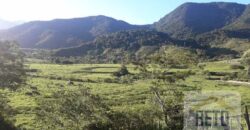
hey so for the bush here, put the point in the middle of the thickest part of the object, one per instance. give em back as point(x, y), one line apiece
point(12, 66)
point(122, 72)
point(219, 73)
point(75, 107)
point(201, 66)
point(109, 80)
point(183, 74)
point(179, 66)
point(126, 79)
point(237, 66)
point(67, 62)
point(5, 112)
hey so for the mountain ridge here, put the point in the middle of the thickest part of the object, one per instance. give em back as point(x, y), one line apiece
point(191, 19)
point(62, 33)
point(243, 22)
point(114, 46)
point(214, 24)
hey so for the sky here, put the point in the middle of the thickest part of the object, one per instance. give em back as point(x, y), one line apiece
point(132, 11)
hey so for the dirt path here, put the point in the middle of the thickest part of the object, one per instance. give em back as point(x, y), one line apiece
point(237, 82)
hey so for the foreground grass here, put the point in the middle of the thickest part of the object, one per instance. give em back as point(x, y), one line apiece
point(125, 97)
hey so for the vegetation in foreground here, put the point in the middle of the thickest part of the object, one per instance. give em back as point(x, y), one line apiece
point(102, 96)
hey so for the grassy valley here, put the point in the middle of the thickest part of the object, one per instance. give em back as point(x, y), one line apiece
point(126, 95)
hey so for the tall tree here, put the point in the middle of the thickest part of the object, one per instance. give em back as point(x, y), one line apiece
point(12, 70)
point(246, 60)
point(168, 95)
point(5, 111)
point(77, 110)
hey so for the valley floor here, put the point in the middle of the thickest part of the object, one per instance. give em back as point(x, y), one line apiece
point(123, 96)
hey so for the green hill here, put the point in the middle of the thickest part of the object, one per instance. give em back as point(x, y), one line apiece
point(243, 22)
point(237, 40)
point(62, 33)
point(134, 43)
point(191, 19)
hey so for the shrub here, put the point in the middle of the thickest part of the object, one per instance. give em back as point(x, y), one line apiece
point(179, 66)
point(6, 111)
point(201, 66)
point(75, 107)
point(126, 79)
point(237, 66)
point(183, 74)
point(226, 78)
point(122, 72)
point(12, 68)
point(109, 80)
point(67, 62)
point(218, 73)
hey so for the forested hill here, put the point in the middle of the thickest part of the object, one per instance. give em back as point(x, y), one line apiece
point(191, 19)
point(61, 33)
point(135, 43)
point(243, 22)
point(216, 24)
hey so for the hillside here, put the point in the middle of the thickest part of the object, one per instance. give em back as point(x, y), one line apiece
point(127, 40)
point(237, 40)
point(212, 24)
point(140, 44)
point(135, 43)
point(243, 22)
point(191, 19)
point(62, 33)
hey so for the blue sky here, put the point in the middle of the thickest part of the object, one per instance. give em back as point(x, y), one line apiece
point(132, 11)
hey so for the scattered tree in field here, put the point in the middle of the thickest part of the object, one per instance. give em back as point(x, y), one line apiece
point(172, 56)
point(168, 94)
point(122, 71)
point(73, 110)
point(12, 70)
point(246, 60)
point(5, 111)
point(79, 109)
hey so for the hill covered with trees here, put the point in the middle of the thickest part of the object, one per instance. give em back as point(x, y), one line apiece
point(62, 33)
point(243, 22)
point(125, 44)
point(191, 19)
point(196, 25)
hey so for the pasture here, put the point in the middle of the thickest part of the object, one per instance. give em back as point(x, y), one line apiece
point(124, 94)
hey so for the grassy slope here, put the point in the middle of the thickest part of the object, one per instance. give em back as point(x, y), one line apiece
point(123, 97)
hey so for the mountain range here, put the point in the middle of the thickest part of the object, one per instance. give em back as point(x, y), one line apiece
point(62, 33)
point(216, 24)
point(133, 43)
point(191, 19)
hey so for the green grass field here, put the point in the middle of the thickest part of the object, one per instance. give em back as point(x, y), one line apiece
point(46, 79)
